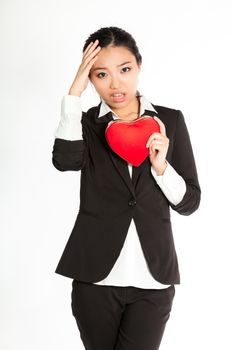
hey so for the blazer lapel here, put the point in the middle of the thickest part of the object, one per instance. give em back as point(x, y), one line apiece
point(136, 171)
point(120, 164)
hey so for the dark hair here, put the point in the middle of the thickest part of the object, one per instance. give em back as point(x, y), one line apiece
point(115, 36)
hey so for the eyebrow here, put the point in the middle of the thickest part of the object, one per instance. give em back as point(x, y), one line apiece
point(122, 64)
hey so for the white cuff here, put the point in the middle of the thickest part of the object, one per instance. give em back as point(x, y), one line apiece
point(70, 127)
point(171, 183)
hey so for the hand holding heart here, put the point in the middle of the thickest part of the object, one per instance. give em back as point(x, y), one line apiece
point(135, 140)
point(158, 144)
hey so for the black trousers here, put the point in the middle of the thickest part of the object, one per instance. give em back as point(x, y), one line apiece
point(120, 318)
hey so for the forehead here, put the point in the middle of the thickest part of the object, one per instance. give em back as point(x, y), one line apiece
point(112, 56)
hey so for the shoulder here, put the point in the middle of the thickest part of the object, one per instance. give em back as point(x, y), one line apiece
point(168, 115)
point(165, 110)
point(90, 114)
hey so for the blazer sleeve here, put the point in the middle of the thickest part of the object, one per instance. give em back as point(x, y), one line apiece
point(71, 155)
point(184, 163)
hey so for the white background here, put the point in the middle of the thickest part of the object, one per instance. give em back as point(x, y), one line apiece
point(186, 48)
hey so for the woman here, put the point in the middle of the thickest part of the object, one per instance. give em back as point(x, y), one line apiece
point(120, 254)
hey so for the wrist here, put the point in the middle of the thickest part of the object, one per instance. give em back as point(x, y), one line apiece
point(160, 170)
point(74, 92)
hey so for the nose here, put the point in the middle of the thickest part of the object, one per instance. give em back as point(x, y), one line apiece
point(114, 83)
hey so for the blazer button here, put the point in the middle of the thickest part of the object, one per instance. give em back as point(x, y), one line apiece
point(132, 202)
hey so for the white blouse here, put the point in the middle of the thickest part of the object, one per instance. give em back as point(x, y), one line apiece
point(130, 268)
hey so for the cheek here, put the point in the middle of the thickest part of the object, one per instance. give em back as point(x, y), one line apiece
point(100, 84)
point(93, 80)
point(99, 87)
point(131, 80)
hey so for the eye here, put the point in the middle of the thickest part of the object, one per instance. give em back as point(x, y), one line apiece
point(126, 68)
point(99, 74)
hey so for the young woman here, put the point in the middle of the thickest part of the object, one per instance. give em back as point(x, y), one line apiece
point(121, 254)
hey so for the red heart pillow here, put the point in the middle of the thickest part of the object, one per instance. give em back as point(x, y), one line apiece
point(128, 138)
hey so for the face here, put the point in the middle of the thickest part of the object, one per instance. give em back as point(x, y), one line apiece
point(115, 71)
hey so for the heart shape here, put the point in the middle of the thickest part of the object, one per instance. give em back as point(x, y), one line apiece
point(128, 138)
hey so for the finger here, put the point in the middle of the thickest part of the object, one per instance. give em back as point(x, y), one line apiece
point(92, 48)
point(155, 147)
point(88, 65)
point(162, 126)
point(156, 144)
point(89, 60)
point(91, 55)
point(155, 135)
point(91, 44)
point(87, 48)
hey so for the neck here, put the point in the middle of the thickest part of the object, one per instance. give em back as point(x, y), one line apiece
point(130, 112)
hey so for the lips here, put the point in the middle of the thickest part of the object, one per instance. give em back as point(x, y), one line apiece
point(118, 97)
point(117, 94)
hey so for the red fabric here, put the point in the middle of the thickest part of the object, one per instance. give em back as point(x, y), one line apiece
point(128, 138)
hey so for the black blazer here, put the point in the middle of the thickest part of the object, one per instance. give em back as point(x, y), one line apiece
point(109, 199)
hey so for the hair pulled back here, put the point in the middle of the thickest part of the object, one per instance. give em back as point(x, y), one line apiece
point(115, 36)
